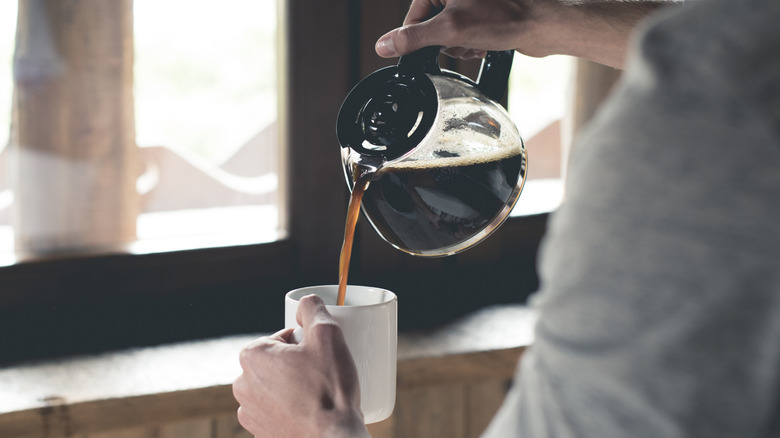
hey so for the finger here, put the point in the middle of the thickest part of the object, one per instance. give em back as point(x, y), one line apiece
point(246, 393)
point(385, 45)
point(421, 10)
point(407, 39)
point(284, 335)
point(464, 53)
point(469, 56)
point(318, 325)
point(247, 421)
point(251, 354)
point(480, 54)
point(260, 344)
point(311, 309)
point(240, 389)
point(455, 52)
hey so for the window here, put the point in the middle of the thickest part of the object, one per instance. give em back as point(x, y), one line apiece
point(538, 96)
point(63, 301)
point(188, 155)
point(135, 125)
point(7, 30)
point(206, 120)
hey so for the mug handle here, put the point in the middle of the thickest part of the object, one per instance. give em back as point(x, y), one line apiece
point(297, 335)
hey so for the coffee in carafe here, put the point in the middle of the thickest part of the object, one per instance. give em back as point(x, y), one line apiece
point(425, 209)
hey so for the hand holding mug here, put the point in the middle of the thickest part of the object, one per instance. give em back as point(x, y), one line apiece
point(306, 389)
point(369, 324)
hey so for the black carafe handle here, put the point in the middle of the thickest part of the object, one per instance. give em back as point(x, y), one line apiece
point(425, 60)
point(494, 74)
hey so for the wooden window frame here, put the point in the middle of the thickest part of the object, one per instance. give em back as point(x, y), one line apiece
point(68, 305)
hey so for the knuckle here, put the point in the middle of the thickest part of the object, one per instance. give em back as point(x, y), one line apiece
point(407, 39)
point(310, 305)
point(246, 357)
point(456, 22)
point(249, 355)
point(451, 23)
point(245, 419)
point(325, 331)
point(239, 388)
point(310, 300)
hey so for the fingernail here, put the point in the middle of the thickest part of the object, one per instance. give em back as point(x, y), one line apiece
point(385, 47)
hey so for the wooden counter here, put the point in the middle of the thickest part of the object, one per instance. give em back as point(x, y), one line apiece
point(185, 389)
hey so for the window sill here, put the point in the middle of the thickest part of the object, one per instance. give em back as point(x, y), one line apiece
point(174, 382)
point(52, 307)
point(173, 231)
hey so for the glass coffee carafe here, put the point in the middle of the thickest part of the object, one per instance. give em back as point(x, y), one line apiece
point(446, 164)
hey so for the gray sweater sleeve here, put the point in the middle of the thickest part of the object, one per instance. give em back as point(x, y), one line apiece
point(659, 305)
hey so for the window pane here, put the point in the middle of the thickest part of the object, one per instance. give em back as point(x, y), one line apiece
point(206, 108)
point(7, 31)
point(205, 74)
point(537, 102)
point(161, 125)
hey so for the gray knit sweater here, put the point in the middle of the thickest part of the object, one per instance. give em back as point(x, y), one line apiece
point(659, 307)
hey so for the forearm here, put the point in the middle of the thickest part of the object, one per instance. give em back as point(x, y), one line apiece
point(597, 30)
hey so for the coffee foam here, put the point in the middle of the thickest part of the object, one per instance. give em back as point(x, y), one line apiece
point(459, 161)
point(469, 146)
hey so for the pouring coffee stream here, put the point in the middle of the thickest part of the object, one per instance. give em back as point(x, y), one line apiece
point(364, 176)
point(436, 162)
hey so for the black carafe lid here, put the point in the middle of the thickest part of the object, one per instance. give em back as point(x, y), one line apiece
point(390, 111)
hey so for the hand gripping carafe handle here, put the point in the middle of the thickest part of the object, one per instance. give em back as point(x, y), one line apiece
point(493, 75)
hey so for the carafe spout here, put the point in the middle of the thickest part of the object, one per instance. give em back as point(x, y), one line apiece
point(362, 166)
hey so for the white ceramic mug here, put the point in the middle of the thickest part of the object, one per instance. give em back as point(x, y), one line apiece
point(369, 320)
